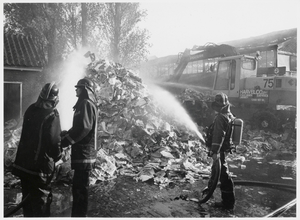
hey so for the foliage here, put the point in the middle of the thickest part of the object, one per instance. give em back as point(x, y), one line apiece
point(60, 28)
point(126, 41)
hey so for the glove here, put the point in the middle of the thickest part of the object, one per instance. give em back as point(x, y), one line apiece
point(63, 133)
point(215, 156)
point(65, 143)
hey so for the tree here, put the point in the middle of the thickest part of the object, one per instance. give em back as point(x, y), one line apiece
point(84, 16)
point(44, 22)
point(127, 43)
point(61, 28)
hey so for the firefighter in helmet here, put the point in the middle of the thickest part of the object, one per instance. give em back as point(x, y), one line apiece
point(82, 138)
point(38, 150)
point(219, 146)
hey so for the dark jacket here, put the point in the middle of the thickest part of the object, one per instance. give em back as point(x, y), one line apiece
point(221, 126)
point(39, 145)
point(82, 135)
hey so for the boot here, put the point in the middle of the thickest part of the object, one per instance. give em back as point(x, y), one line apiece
point(224, 205)
point(228, 200)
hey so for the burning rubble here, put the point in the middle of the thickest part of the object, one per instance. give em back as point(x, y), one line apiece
point(137, 138)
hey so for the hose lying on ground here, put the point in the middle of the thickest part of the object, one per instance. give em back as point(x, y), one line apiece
point(20, 205)
point(15, 209)
point(283, 187)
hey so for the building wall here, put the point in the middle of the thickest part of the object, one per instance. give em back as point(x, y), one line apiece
point(32, 83)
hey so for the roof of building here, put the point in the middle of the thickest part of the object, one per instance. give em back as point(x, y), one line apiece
point(285, 39)
point(20, 51)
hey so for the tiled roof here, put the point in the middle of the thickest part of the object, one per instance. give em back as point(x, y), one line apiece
point(20, 51)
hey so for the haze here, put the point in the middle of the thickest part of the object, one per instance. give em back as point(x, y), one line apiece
point(177, 25)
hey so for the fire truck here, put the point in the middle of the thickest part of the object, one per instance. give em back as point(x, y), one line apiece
point(266, 99)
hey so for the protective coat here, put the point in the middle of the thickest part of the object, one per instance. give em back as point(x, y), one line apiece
point(221, 127)
point(39, 146)
point(82, 135)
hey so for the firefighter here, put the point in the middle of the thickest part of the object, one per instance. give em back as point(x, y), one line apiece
point(82, 138)
point(38, 150)
point(220, 146)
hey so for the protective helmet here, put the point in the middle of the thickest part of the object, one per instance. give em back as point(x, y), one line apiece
point(221, 100)
point(50, 92)
point(87, 84)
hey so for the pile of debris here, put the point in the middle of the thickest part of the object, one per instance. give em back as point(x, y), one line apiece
point(196, 104)
point(138, 138)
point(135, 136)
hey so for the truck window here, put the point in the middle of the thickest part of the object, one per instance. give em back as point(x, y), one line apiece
point(232, 75)
point(293, 63)
point(248, 64)
point(222, 79)
point(248, 68)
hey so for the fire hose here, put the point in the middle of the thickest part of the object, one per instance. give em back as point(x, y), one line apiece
point(24, 200)
point(15, 209)
point(208, 191)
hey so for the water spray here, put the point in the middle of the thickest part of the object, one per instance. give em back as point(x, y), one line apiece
point(168, 102)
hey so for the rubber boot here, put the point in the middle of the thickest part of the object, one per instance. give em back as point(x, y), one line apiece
point(228, 200)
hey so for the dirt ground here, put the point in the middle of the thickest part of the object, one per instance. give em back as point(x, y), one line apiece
point(124, 197)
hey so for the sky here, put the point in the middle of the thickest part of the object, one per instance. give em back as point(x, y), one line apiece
point(179, 24)
point(175, 25)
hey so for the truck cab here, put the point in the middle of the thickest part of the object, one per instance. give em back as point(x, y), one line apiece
point(269, 97)
point(232, 73)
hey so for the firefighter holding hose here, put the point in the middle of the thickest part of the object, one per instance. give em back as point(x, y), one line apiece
point(219, 144)
point(82, 138)
point(38, 150)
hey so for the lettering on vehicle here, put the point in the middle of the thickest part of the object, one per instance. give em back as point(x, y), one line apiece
point(255, 95)
point(269, 83)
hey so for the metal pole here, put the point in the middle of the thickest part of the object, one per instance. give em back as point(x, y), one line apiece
point(282, 209)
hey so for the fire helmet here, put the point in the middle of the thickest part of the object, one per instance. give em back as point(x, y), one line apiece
point(87, 84)
point(221, 100)
point(49, 92)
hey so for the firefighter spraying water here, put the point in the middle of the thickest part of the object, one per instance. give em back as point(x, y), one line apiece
point(224, 133)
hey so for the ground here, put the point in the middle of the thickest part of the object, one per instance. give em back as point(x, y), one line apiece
point(124, 197)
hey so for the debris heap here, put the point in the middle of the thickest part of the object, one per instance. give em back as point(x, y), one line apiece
point(135, 136)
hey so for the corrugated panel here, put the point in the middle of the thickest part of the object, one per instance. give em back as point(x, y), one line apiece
point(20, 51)
point(289, 45)
point(276, 37)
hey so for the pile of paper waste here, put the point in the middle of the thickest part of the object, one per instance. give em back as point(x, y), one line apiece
point(137, 138)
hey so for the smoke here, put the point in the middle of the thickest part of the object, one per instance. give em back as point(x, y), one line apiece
point(73, 70)
point(168, 102)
